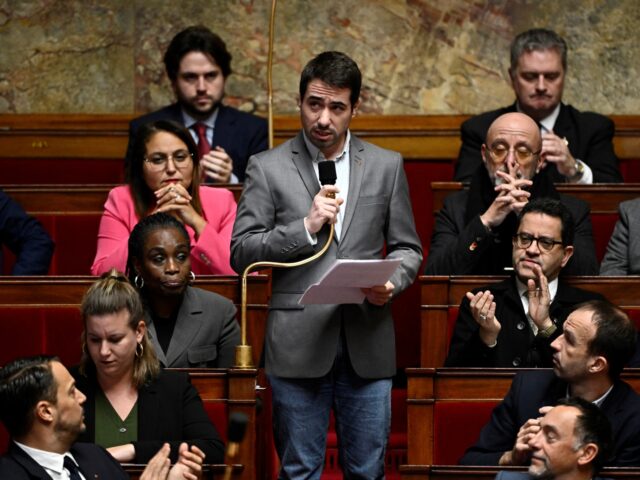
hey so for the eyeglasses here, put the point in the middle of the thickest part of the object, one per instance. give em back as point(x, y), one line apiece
point(524, 240)
point(522, 153)
point(158, 161)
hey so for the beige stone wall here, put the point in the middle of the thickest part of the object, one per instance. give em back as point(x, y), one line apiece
point(417, 56)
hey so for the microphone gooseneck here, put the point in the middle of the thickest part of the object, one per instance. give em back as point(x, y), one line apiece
point(327, 176)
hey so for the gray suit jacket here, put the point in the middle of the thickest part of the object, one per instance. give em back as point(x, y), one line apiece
point(205, 335)
point(301, 341)
point(623, 252)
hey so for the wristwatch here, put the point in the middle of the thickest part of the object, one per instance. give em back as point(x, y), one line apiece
point(547, 332)
point(579, 171)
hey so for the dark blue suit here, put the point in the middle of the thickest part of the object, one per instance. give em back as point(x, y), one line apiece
point(240, 134)
point(25, 237)
point(533, 389)
point(94, 462)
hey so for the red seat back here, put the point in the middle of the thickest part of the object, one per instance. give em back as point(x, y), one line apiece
point(456, 426)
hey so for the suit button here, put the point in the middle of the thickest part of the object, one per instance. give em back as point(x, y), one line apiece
point(520, 326)
point(516, 362)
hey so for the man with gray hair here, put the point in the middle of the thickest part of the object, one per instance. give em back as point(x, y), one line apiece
point(576, 146)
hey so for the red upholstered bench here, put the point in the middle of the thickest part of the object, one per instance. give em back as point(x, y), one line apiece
point(40, 330)
point(456, 426)
point(75, 237)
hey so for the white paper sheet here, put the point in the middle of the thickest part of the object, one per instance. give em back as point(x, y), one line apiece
point(343, 281)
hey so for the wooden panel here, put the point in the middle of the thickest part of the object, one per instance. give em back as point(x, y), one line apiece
point(427, 137)
point(72, 199)
point(603, 198)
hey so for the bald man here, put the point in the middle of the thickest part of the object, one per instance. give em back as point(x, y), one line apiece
point(474, 228)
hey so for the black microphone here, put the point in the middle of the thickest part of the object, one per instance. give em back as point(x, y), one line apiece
point(327, 174)
point(235, 433)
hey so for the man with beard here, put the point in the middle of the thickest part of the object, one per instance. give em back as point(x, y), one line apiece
point(198, 64)
point(328, 356)
point(572, 444)
point(474, 228)
point(512, 323)
point(577, 147)
point(42, 410)
point(597, 342)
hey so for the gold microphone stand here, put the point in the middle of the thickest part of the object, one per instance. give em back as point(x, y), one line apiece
point(244, 357)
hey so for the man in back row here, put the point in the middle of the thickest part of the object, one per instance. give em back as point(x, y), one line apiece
point(475, 227)
point(42, 410)
point(198, 65)
point(576, 146)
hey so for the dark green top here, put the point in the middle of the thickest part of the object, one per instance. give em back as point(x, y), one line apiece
point(111, 430)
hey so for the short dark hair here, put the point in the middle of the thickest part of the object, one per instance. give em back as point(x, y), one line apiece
point(536, 40)
point(553, 208)
point(333, 68)
point(143, 197)
point(23, 383)
point(141, 231)
point(615, 337)
point(197, 38)
point(592, 426)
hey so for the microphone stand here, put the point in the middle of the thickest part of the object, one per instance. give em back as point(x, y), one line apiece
point(244, 357)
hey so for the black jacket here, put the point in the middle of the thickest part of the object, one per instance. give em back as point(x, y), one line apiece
point(94, 462)
point(533, 389)
point(517, 346)
point(169, 410)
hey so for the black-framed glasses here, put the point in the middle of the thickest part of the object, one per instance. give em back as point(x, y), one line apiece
point(522, 153)
point(159, 160)
point(524, 240)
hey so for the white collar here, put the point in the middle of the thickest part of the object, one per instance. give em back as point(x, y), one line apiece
point(50, 461)
point(548, 122)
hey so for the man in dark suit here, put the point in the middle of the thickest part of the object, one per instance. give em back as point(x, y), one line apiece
point(475, 226)
point(198, 64)
point(577, 146)
point(42, 411)
point(597, 342)
point(512, 323)
point(572, 444)
point(323, 356)
point(25, 237)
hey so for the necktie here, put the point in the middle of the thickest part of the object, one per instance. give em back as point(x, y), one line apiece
point(74, 471)
point(203, 143)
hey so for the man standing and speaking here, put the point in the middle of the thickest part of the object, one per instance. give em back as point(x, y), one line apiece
point(323, 356)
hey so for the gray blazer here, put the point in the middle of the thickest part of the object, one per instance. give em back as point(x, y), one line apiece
point(623, 252)
point(301, 341)
point(205, 334)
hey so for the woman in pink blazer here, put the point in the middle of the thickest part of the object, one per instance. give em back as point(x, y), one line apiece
point(164, 176)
